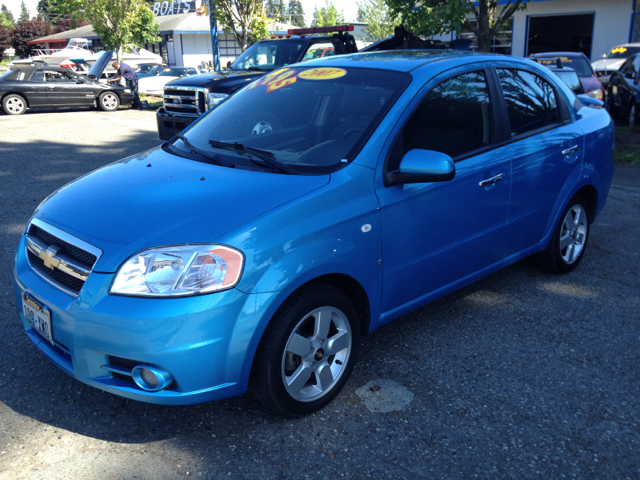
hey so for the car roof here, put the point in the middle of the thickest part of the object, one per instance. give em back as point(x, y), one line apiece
point(403, 60)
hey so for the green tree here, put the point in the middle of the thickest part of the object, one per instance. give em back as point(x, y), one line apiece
point(377, 16)
point(120, 23)
point(275, 10)
point(236, 16)
point(327, 16)
point(27, 30)
point(260, 27)
point(7, 14)
point(433, 17)
point(295, 13)
point(24, 12)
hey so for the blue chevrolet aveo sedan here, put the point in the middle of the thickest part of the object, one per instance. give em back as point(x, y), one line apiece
point(254, 250)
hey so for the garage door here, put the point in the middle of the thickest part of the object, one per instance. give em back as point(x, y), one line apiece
point(560, 33)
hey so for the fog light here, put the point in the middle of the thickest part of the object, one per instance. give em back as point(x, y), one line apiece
point(151, 379)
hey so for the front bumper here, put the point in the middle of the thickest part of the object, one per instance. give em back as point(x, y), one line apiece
point(125, 98)
point(169, 125)
point(206, 342)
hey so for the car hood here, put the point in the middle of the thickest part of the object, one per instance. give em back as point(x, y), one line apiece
point(155, 198)
point(97, 69)
point(204, 80)
point(608, 64)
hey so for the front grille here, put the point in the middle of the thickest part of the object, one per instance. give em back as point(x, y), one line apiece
point(185, 101)
point(58, 276)
point(67, 248)
point(59, 258)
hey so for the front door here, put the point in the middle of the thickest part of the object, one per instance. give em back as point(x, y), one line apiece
point(68, 89)
point(435, 234)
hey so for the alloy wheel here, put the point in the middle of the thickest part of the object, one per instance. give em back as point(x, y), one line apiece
point(574, 234)
point(316, 354)
point(15, 105)
point(110, 101)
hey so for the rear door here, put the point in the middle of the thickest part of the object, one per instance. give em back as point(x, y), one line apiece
point(546, 149)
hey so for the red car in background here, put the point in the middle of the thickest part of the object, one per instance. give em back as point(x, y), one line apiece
point(578, 62)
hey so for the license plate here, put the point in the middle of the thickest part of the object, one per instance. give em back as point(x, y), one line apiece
point(38, 316)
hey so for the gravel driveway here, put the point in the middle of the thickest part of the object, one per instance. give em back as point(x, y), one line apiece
point(520, 375)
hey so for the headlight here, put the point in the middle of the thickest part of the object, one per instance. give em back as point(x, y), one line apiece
point(126, 90)
point(597, 94)
point(215, 98)
point(179, 271)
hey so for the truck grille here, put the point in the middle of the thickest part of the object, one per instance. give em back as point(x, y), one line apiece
point(61, 259)
point(185, 101)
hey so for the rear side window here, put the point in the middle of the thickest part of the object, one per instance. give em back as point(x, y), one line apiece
point(38, 76)
point(454, 118)
point(531, 101)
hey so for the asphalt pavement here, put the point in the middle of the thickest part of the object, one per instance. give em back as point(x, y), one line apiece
point(521, 375)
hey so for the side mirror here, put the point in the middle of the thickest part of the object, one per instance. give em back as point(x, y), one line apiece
point(424, 166)
point(630, 75)
point(228, 64)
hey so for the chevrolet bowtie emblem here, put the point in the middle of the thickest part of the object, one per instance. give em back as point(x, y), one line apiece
point(176, 100)
point(49, 257)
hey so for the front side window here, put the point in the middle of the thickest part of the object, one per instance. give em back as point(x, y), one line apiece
point(531, 101)
point(52, 76)
point(454, 118)
point(267, 56)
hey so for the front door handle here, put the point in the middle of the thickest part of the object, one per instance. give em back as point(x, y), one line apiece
point(491, 181)
point(570, 150)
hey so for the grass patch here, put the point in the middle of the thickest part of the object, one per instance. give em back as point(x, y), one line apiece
point(627, 146)
point(154, 102)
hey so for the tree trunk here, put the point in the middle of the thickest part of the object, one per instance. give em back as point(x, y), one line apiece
point(119, 54)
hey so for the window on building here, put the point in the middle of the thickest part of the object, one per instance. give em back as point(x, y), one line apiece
point(501, 42)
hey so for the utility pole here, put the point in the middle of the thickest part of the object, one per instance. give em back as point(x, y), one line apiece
point(215, 49)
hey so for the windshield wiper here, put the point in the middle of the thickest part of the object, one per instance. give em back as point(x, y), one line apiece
point(264, 155)
point(193, 149)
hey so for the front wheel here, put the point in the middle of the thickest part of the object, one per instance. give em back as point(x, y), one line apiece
point(569, 241)
point(109, 102)
point(307, 352)
point(14, 105)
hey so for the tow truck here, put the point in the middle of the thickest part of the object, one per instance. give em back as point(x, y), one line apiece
point(186, 99)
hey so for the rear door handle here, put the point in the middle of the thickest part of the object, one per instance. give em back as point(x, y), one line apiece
point(491, 181)
point(570, 150)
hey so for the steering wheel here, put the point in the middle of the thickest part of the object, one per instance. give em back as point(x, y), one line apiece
point(350, 131)
point(268, 124)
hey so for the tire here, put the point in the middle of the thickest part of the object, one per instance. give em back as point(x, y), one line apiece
point(109, 101)
point(14, 105)
point(569, 241)
point(609, 105)
point(307, 352)
point(633, 114)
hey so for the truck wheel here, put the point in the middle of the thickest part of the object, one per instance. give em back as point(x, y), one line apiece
point(14, 105)
point(109, 101)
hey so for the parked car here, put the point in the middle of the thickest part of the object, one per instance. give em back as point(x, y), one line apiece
point(580, 64)
point(145, 70)
point(623, 96)
point(155, 85)
point(307, 210)
point(31, 85)
point(613, 61)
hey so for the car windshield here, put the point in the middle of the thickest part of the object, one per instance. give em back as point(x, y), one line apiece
point(144, 68)
point(623, 52)
point(267, 56)
point(570, 79)
point(314, 120)
point(579, 64)
point(173, 72)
